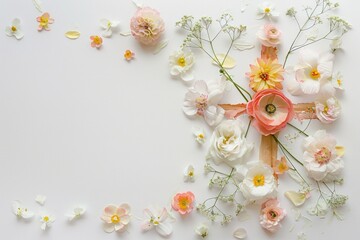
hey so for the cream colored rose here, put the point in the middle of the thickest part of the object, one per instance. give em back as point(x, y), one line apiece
point(228, 144)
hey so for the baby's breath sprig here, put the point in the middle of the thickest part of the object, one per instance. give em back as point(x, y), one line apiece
point(211, 207)
point(337, 26)
point(328, 199)
point(199, 37)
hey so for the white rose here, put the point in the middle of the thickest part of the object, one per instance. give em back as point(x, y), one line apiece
point(228, 143)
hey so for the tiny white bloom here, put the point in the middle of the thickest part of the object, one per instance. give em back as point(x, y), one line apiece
point(320, 209)
point(259, 182)
point(228, 144)
point(76, 213)
point(335, 44)
point(337, 81)
point(157, 218)
point(189, 174)
point(202, 99)
point(21, 211)
point(199, 135)
point(327, 108)
point(202, 230)
point(14, 30)
point(312, 72)
point(181, 63)
point(46, 221)
point(40, 199)
point(322, 160)
point(108, 26)
point(268, 10)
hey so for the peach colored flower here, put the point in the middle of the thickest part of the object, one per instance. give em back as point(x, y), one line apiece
point(269, 35)
point(271, 215)
point(147, 26)
point(96, 41)
point(265, 74)
point(129, 55)
point(271, 109)
point(116, 217)
point(269, 52)
point(183, 202)
point(281, 166)
point(44, 21)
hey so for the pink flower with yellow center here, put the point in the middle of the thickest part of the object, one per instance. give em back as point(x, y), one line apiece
point(147, 26)
point(96, 41)
point(322, 157)
point(271, 215)
point(265, 74)
point(183, 202)
point(129, 55)
point(44, 21)
point(116, 218)
point(281, 166)
point(271, 110)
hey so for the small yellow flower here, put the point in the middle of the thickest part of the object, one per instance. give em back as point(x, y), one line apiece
point(129, 55)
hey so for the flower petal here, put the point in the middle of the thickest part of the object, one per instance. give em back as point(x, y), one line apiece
point(164, 229)
point(240, 233)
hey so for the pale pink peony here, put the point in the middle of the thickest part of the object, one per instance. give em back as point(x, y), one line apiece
point(183, 202)
point(271, 215)
point(269, 35)
point(271, 109)
point(147, 26)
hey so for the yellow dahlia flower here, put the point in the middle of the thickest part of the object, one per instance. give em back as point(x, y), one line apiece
point(265, 74)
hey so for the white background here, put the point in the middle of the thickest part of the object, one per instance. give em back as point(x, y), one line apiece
point(83, 126)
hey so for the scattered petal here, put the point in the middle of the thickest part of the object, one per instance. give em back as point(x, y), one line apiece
point(240, 233)
point(242, 45)
point(125, 34)
point(160, 46)
point(40, 199)
point(228, 62)
point(72, 34)
point(340, 151)
point(297, 198)
point(37, 5)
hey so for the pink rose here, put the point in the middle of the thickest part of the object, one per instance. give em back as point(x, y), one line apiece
point(147, 26)
point(271, 215)
point(269, 35)
point(271, 111)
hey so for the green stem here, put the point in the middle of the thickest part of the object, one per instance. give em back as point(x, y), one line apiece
point(300, 131)
point(281, 145)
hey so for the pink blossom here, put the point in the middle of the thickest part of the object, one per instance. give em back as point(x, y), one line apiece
point(147, 26)
point(183, 202)
point(271, 215)
point(271, 109)
point(44, 21)
point(269, 35)
point(116, 218)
